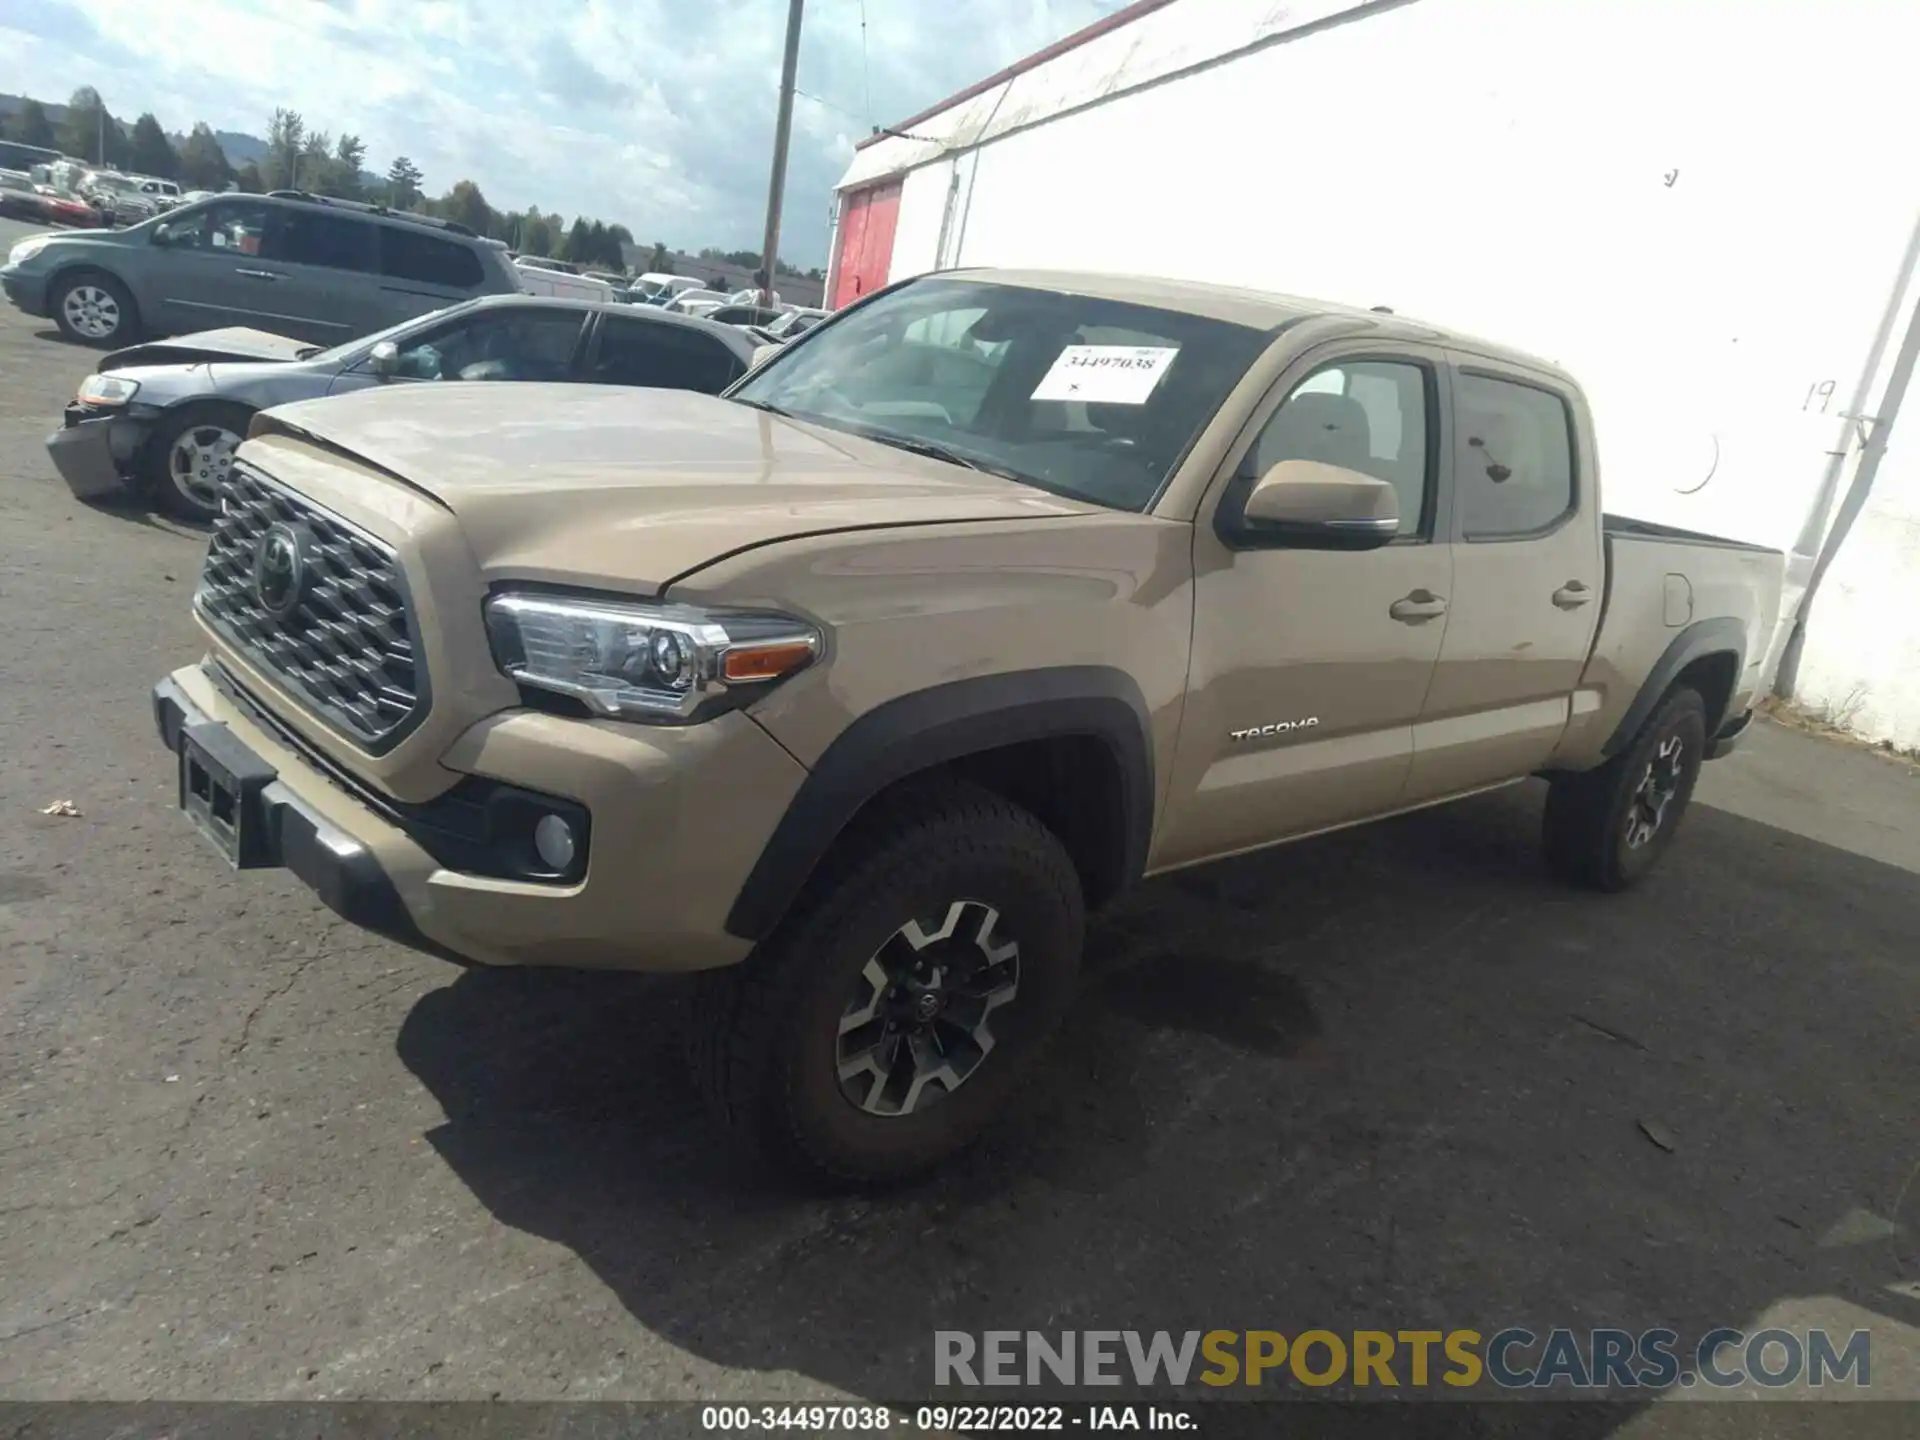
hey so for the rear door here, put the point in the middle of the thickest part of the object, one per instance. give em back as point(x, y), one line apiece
point(640, 350)
point(1528, 577)
point(422, 272)
point(326, 266)
point(1309, 666)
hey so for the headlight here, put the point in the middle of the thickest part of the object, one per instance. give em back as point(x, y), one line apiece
point(645, 661)
point(27, 249)
point(105, 391)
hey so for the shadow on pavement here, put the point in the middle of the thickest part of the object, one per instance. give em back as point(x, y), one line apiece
point(1395, 1078)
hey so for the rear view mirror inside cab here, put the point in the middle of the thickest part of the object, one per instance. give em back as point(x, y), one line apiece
point(1314, 505)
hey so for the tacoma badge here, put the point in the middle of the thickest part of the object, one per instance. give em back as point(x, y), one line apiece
point(1279, 727)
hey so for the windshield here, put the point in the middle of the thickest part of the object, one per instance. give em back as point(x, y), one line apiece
point(1084, 397)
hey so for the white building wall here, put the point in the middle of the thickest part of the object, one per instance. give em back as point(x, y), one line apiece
point(1861, 662)
point(1699, 208)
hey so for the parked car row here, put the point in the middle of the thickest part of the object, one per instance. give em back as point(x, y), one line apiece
point(163, 420)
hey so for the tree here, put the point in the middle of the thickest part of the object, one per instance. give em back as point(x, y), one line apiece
point(349, 154)
point(250, 179)
point(89, 132)
point(403, 183)
point(661, 259)
point(286, 135)
point(31, 126)
point(596, 244)
point(315, 171)
point(579, 241)
point(536, 235)
point(150, 152)
point(465, 205)
point(203, 164)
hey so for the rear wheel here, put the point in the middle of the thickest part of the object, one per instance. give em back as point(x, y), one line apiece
point(1607, 827)
point(188, 457)
point(901, 1005)
point(95, 309)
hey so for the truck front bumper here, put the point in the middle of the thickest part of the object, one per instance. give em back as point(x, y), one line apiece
point(662, 852)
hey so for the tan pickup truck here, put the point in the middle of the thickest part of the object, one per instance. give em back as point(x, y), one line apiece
point(856, 688)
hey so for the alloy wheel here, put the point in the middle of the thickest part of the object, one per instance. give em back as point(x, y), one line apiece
point(91, 311)
point(918, 1022)
point(199, 461)
point(1655, 793)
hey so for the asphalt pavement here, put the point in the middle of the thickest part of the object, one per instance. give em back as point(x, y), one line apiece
point(1395, 1078)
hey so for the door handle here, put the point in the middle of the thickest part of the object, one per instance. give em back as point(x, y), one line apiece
point(1572, 595)
point(1417, 608)
point(256, 274)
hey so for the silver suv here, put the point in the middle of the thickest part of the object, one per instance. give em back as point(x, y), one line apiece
point(320, 270)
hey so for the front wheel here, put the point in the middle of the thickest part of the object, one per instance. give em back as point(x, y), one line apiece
point(95, 309)
point(900, 1007)
point(1604, 829)
point(188, 457)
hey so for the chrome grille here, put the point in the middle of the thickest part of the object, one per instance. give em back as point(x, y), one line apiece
point(348, 646)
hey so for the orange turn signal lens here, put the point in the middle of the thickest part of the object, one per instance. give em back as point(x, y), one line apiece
point(765, 662)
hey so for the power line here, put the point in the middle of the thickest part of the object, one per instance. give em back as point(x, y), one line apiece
point(822, 100)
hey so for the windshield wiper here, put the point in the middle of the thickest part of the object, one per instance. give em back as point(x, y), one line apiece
point(934, 450)
point(763, 405)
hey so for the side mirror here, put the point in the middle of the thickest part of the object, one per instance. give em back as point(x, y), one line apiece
point(159, 236)
point(763, 353)
point(1325, 507)
point(384, 359)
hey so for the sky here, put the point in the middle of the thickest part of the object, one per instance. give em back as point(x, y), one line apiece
point(658, 114)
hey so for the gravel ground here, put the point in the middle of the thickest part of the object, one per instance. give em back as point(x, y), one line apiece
point(1395, 1078)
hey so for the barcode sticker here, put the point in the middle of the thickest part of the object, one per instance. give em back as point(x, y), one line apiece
point(1106, 374)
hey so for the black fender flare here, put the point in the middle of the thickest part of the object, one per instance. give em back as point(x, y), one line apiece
point(1722, 636)
point(917, 732)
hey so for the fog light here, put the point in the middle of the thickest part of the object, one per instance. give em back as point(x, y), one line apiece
point(553, 841)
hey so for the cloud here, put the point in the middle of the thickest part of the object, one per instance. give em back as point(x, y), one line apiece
point(658, 114)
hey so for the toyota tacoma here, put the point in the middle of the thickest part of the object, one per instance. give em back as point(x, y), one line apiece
point(856, 688)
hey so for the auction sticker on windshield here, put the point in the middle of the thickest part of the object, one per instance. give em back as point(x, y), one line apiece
point(1106, 374)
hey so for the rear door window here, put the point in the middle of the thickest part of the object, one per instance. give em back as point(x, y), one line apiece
point(318, 237)
point(425, 259)
point(662, 355)
point(1513, 458)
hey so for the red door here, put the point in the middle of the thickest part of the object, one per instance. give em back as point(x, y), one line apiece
point(867, 221)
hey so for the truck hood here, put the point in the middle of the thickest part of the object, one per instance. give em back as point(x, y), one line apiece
point(599, 485)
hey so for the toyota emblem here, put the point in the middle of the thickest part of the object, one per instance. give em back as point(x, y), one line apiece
point(280, 570)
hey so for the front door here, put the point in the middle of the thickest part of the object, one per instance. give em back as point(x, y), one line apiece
point(1529, 576)
point(211, 271)
point(1309, 667)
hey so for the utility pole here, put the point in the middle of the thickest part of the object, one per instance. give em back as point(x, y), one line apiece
point(782, 133)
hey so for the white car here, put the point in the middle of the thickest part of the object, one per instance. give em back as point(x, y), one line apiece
point(538, 279)
point(165, 193)
point(655, 288)
point(697, 302)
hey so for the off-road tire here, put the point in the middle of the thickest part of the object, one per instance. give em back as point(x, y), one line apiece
point(126, 332)
point(1585, 832)
point(763, 1034)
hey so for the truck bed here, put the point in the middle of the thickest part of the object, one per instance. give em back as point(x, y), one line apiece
point(1612, 525)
